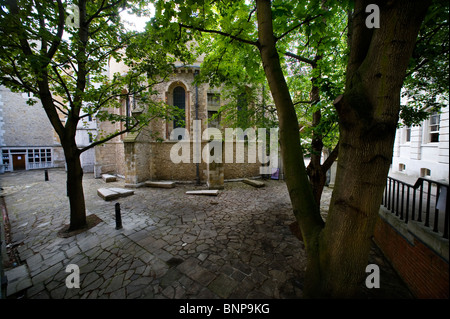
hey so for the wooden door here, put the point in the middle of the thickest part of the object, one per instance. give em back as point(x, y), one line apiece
point(18, 161)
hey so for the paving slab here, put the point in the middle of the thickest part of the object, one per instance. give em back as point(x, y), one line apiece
point(18, 280)
point(208, 192)
point(122, 191)
point(114, 193)
point(108, 178)
point(171, 246)
point(160, 184)
point(253, 182)
point(107, 194)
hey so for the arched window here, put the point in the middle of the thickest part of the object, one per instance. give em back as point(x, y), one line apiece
point(179, 100)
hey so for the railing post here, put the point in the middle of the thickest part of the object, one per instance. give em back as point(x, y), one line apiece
point(407, 204)
point(427, 213)
point(398, 198)
point(447, 208)
point(420, 203)
point(118, 217)
point(389, 194)
point(436, 210)
point(403, 200)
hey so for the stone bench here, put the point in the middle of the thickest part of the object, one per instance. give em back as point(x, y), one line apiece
point(253, 182)
point(113, 193)
point(160, 184)
point(208, 192)
point(108, 178)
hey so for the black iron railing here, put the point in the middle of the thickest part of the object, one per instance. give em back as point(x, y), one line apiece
point(426, 202)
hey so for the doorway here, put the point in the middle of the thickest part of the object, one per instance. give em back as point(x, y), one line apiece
point(18, 161)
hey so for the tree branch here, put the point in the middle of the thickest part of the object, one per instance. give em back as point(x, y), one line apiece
point(300, 58)
point(251, 13)
point(51, 52)
point(110, 137)
point(102, 8)
point(220, 33)
point(304, 102)
point(331, 158)
point(295, 27)
point(63, 84)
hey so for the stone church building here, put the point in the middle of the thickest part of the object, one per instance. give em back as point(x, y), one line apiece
point(28, 141)
point(139, 157)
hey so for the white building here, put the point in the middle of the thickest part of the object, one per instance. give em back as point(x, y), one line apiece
point(27, 139)
point(423, 151)
point(86, 132)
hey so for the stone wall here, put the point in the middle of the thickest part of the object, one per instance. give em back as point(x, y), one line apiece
point(162, 167)
point(140, 157)
point(152, 161)
point(109, 158)
point(23, 124)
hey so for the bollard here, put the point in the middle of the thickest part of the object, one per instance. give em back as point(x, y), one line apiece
point(118, 217)
point(46, 175)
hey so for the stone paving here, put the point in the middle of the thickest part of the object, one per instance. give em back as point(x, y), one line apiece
point(172, 245)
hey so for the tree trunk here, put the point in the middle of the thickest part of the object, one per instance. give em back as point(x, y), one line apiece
point(317, 177)
point(368, 115)
point(305, 209)
point(337, 253)
point(75, 188)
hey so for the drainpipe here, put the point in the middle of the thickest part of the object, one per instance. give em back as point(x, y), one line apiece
point(197, 165)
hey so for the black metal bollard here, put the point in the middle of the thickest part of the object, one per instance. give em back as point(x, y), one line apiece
point(118, 217)
point(46, 175)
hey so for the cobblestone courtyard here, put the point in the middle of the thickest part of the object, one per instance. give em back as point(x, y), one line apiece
point(172, 245)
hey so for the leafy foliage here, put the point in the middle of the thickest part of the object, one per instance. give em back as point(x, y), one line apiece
point(426, 86)
point(43, 52)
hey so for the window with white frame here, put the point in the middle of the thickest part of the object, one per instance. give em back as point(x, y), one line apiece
point(433, 127)
point(407, 134)
point(39, 158)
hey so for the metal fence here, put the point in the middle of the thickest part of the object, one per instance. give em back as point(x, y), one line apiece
point(426, 202)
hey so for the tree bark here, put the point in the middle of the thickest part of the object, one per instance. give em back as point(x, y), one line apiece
point(368, 114)
point(337, 253)
point(75, 187)
point(305, 209)
point(317, 177)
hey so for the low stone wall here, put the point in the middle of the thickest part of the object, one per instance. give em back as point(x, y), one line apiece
point(418, 255)
point(152, 161)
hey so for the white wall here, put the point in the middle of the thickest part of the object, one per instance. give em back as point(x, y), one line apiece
point(419, 154)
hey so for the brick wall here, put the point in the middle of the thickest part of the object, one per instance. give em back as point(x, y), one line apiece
point(423, 270)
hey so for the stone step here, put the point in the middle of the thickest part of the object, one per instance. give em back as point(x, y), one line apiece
point(108, 178)
point(113, 193)
point(208, 192)
point(160, 184)
point(253, 182)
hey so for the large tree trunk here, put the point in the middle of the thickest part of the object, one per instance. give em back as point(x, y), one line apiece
point(305, 208)
point(337, 253)
point(75, 188)
point(368, 115)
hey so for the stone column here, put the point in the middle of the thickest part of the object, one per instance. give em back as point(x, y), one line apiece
point(215, 175)
point(214, 171)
